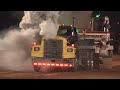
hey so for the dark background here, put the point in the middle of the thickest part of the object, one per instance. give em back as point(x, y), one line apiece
point(12, 18)
point(114, 17)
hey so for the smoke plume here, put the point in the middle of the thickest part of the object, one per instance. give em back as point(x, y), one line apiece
point(45, 21)
point(15, 50)
point(15, 44)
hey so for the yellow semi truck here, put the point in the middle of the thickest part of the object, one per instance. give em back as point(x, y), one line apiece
point(70, 50)
point(55, 52)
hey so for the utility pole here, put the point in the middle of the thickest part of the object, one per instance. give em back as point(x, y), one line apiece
point(92, 23)
point(97, 17)
point(74, 21)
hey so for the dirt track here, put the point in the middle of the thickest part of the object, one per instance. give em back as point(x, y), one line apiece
point(111, 74)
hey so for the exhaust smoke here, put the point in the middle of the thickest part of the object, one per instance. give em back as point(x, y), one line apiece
point(15, 45)
point(15, 50)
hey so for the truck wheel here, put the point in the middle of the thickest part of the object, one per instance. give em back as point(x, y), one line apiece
point(76, 65)
point(36, 69)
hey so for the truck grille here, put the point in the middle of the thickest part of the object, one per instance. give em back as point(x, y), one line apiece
point(53, 48)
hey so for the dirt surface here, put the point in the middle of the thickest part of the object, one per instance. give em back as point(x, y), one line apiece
point(101, 74)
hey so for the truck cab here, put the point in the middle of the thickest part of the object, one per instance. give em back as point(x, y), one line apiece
point(58, 52)
point(68, 32)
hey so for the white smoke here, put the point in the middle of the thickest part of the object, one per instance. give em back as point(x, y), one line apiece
point(45, 21)
point(48, 29)
point(15, 45)
point(50, 26)
point(15, 50)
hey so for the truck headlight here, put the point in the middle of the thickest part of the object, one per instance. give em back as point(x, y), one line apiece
point(69, 50)
point(36, 48)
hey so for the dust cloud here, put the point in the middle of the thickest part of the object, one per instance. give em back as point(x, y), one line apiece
point(15, 50)
point(15, 45)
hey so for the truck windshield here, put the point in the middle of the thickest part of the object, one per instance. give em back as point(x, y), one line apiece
point(61, 31)
point(67, 32)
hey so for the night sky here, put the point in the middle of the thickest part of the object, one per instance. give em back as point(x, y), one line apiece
point(12, 18)
point(114, 19)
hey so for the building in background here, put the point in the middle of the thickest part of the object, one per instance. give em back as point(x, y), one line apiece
point(83, 18)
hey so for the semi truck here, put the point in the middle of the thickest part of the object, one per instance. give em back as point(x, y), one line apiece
point(71, 50)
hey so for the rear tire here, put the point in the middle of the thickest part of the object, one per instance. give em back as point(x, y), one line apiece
point(36, 68)
point(71, 69)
